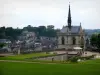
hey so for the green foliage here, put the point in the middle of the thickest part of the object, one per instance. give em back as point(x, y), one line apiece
point(2, 45)
point(87, 57)
point(2, 32)
point(74, 59)
point(12, 34)
point(95, 40)
point(50, 27)
point(98, 42)
point(42, 30)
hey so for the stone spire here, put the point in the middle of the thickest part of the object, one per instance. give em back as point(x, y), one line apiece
point(69, 17)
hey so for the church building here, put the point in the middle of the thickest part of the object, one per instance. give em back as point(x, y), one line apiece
point(70, 36)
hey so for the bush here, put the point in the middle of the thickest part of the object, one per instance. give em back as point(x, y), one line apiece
point(2, 56)
point(2, 45)
point(47, 52)
point(74, 59)
point(55, 52)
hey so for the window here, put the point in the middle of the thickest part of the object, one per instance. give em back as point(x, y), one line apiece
point(79, 42)
point(74, 40)
point(67, 39)
point(63, 40)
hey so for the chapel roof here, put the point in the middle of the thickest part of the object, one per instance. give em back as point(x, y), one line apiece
point(73, 30)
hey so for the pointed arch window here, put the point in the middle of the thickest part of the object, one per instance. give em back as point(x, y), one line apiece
point(63, 40)
point(74, 40)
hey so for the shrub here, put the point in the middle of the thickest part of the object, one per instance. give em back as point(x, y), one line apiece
point(74, 59)
point(2, 56)
point(55, 52)
point(47, 52)
point(90, 57)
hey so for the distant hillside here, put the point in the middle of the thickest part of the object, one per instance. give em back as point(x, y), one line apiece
point(91, 31)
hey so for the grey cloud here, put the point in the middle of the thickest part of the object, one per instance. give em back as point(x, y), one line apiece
point(42, 12)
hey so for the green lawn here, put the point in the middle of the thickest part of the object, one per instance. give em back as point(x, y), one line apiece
point(24, 56)
point(91, 67)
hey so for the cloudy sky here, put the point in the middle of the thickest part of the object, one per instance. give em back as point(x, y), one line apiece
point(20, 13)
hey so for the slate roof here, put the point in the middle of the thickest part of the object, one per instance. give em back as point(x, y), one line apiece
point(5, 41)
point(74, 29)
point(2, 40)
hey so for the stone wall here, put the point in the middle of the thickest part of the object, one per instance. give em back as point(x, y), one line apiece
point(68, 42)
point(55, 58)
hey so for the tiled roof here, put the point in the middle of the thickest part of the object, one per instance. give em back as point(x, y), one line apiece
point(74, 29)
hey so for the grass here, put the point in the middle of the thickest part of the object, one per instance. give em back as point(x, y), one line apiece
point(91, 67)
point(24, 56)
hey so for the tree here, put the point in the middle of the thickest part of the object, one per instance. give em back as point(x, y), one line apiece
point(2, 45)
point(2, 33)
point(51, 32)
point(50, 27)
point(12, 34)
point(28, 28)
point(95, 40)
point(42, 30)
point(98, 41)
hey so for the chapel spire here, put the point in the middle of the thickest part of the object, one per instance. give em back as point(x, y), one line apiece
point(69, 21)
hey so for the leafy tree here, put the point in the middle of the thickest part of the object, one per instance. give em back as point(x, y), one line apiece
point(51, 32)
point(42, 30)
point(12, 34)
point(93, 40)
point(28, 28)
point(2, 32)
point(98, 41)
point(2, 45)
point(50, 27)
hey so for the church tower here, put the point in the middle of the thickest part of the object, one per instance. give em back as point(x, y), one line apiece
point(69, 21)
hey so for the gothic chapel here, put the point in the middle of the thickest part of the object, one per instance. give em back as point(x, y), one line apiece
point(70, 36)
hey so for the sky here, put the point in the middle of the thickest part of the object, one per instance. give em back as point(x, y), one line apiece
point(20, 13)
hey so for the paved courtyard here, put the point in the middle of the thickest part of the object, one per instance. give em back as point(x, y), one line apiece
point(86, 53)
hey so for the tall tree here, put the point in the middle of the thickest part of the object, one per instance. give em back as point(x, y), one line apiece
point(50, 27)
point(2, 33)
point(2, 45)
point(42, 30)
point(98, 41)
point(93, 40)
